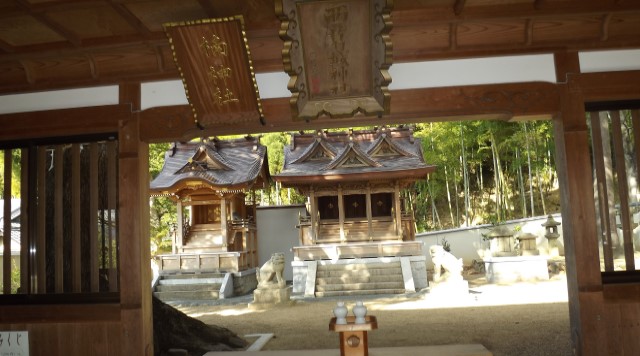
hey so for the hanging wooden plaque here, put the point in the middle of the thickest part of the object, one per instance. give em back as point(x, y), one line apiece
point(213, 58)
point(337, 54)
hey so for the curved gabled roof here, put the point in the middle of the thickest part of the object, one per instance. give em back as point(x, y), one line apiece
point(217, 164)
point(359, 155)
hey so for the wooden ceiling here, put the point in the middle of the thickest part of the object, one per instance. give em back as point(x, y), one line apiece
point(50, 44)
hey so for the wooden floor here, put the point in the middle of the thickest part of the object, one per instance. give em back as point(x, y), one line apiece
point(437, 350)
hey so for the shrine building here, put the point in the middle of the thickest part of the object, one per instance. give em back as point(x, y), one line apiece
point(215, 180)
point(357, 218)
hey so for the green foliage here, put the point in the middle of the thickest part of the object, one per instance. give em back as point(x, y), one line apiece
point(15, 277)
point(16, 156)
point(500, 159)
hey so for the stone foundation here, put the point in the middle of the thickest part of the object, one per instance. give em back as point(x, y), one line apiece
point(244, 282)
point(516, 269)
point(265, 298)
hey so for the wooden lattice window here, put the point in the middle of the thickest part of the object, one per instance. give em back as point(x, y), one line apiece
point(616, 159)
point(68, 231)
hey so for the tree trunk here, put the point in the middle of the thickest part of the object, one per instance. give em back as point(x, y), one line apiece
point(526, 140)
point(521, 184)
point(446, 178)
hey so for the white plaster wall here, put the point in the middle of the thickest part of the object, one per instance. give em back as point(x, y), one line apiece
point(277, 232)
point(467, 243)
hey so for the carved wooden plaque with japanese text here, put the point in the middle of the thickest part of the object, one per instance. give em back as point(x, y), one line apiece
point(337, 54)
point(214, 61)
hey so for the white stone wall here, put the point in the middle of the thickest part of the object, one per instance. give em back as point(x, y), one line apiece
point(277, 232)
point(467, 243)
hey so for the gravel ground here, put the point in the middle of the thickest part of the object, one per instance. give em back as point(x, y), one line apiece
point(509, 320)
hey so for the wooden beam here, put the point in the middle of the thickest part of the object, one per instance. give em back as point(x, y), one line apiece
point(607, 86)
point(475, 102)
point(64, 122)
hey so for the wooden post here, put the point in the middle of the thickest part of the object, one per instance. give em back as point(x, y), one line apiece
point(135, 256)
point(112, 220)
point(398, 215)
point(623, 190)
point(41, 243)
point(223, 221)
point(93, 217)
point(313, 201)
point(177, 245)
point(603, 191)
point(369, 214)
point(58, 210)
point(343, 238)
point(6, 229)
point(76, 262)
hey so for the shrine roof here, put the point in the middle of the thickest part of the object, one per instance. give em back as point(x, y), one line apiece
point(215, 164)
point(353, 155)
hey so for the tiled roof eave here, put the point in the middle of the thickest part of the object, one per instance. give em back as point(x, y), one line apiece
point(414, 173)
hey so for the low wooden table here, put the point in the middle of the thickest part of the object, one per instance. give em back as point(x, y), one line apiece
point(353, 337)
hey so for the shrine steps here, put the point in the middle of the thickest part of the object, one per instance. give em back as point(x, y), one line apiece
point(359, 279)
point(179, 287)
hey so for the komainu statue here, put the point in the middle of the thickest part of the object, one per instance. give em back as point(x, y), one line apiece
point(442, 259)
point(270, 274)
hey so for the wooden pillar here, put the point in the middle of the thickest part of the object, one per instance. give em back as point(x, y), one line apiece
point(369, 214)
point(573, 164)
point(223, 220)
point(314, 214)
point(177, 248)
point(76, 262)
point(398, 215)
point(341, 214)
point(6, 237)
point(41, 228)
point(135, 269)
point(232, 206)
point(93, 217)
point(57, 218)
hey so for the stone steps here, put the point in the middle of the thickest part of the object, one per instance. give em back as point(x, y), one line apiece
point(360, 286)
point(359, 279)
point(200, 286)
point(356, 279)
point(359, 292)
point(187, 295)
point(188, 287)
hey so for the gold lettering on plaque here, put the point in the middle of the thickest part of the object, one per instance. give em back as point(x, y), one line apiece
point(215, 47)
point(219, 72)
point(335, 23)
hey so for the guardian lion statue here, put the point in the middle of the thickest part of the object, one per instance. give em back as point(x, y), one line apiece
point(270, 274)
point(442, 259)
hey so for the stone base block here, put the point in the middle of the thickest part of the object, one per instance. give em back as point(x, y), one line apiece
point(269, 298)
point(515, 269)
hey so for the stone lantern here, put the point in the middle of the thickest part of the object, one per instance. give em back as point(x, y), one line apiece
point(552, 235)
point(527, 242)
point(501, 241)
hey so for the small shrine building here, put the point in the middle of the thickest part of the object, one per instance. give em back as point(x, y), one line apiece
point(215, 180)
point(354, 182)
